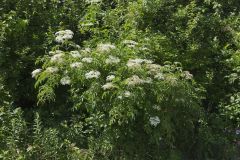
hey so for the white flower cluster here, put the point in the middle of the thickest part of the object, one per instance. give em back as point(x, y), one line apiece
point(136, 63)
point(87, 24)
point(55, 52)
point(87, 60)
point(108, 85)
point(105, 47)
point(148, 80)
point(143, 48)
point(36, 72)
point(77, 46)
point(62, 36)
point(126, 94)
point(48, 69)
point(171, 79)
point(159, 76)
point(65, 80)
point(187, 75)
point(76, 65)
point(237, 131)
point(154, 68)
point(110, 78)
point(154, 121)
point(52, 69)
point(93, 1)
point(57, 58)
point(75, 54)
point(112, 60)
point(92, 74)
point(157, 107)
point(86, 50)
point(134, 80)
point(130, 43)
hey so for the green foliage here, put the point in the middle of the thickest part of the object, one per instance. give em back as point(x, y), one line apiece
point(19, 141)
point(24, 28)
point(145, 79)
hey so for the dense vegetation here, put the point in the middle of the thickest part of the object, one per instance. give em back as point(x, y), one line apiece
point(118, 79)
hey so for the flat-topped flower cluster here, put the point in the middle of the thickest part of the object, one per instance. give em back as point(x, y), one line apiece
point(62, 36)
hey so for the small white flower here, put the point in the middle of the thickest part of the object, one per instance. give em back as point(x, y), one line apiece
point(36, 72)
point(87, 24)
point(87, 60)
point(141, 61)
point(120, 97)
point(51, 52)
point(56, 52)
point(65, 80)
point(92, 74)
point(147, 39)
point(154, 121)
point(237, 132)
point(138, 60)
point(86, 50)
point(62, 36)
point(57, 58)
point(105, 47)
point(59, 33)
point(52, 69)
point(127, 94)
point(132, 64)
point(67, 37)
point(93, 1)
point(112, 60)
point(130, 42)
point(153, 68)
point(159, 76)
point(131, 45)
point(64, 32)
point(187, 75)
point(65, 72)
point(108, 85)
point(75, 54)
point(136, 63)
point(148, 80)
point(148, 61)
point(29, 148)
point(76, 65)
point(59, 39)
point(134, 80)
point(69, 32)
point(144, 49)
point(156, 107)
point(59, 52)
point(110, 78)
point(171, 79)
